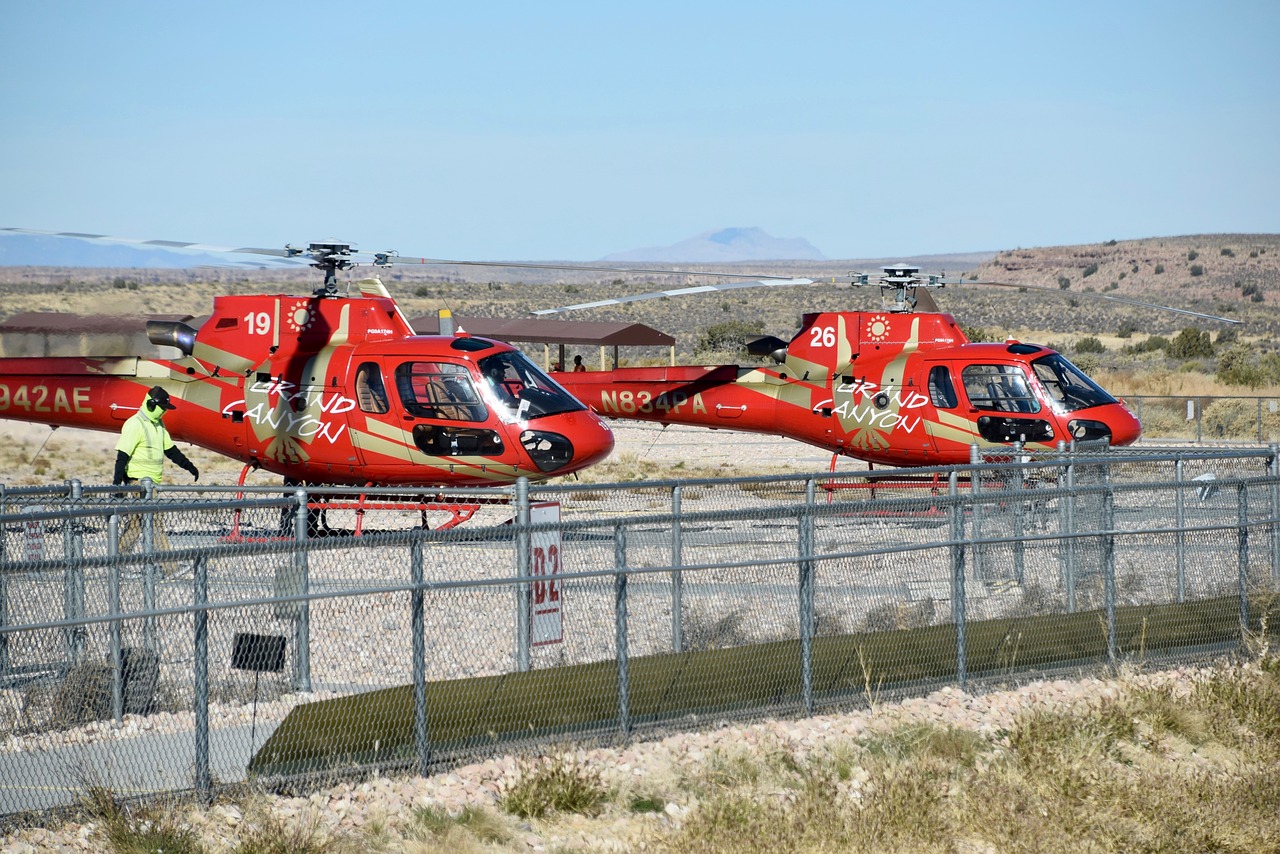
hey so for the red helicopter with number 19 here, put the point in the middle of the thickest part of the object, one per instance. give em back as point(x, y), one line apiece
point(330, 388)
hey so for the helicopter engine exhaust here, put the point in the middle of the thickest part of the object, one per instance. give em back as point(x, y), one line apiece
point(172, 333)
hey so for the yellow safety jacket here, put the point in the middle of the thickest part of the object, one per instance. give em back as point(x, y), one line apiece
point(144, 439)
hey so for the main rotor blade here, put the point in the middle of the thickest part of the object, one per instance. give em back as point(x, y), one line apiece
point(696, 289)
point(1122, 300)
point(585, 268)
point(163, 244)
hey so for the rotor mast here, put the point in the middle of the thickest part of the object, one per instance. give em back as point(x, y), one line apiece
point(898, 285)
point(328, 256)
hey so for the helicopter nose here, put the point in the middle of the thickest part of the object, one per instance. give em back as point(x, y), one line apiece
point(1125, 427)
point(566, 443)
point(592, 442)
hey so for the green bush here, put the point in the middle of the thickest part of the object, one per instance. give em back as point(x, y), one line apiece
point(729, 335)
point(1089, 344)
point(1193, 255)
point(1089, 271)
point(1197, 269)
point(1159, 268)
point(1239, 366)
point(1190, 343)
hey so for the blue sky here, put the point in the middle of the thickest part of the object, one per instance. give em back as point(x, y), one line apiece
point(561, 130)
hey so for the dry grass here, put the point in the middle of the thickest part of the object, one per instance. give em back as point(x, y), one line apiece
point(1186, 765)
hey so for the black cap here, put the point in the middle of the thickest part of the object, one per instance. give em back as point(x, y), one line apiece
point(160, 398)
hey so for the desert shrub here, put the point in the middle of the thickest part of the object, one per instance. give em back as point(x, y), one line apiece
point(1190, 343)
point(1089, 271)
point(1230, 419)
point(1228, 252)
point(1197, 269)
point(1089, 344)
point(1192, 255)
point(1064, 282)
point(555, 784)
point(729, 335)
point(1239, 366)
point(1126, 330)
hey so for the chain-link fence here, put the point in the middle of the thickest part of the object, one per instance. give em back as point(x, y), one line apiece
point(160, 640)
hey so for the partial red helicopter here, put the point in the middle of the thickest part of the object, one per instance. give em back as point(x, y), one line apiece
point(902, 386)
point(329, 388)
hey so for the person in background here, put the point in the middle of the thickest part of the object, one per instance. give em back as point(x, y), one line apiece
point(145, 443)
point(141, 451)
point(577, 364)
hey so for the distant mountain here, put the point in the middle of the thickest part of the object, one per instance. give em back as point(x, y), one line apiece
point(725, 246)
point(39, 250)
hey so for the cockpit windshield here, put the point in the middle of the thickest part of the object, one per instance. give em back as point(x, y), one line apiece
point(520, 390)
point(1067, 385)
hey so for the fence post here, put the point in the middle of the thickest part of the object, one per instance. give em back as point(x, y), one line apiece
point(4, 590)
point(677, 579)
point(522, 573)
point(1242, 557)
point(417, 624)
point(975, 513)
point(113, 603)
point(957, 576)
point(151, 569)
point(620, 628)
point(806, 596)
point(1273, 469)
point(1199, 426)
point(1180, 522)
point(1109, 560)
point(1259, 421)
point(1067, 527)
point(302, 569)
point(200, 598)
point(73, 578)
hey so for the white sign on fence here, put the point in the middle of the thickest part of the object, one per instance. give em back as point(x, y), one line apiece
point(33, 536)
point(545, 626)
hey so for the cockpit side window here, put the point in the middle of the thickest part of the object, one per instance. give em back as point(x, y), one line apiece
point(1070, 388)
point(439, 390)
point(941, 390)
point(998, 388)
point(371, 393)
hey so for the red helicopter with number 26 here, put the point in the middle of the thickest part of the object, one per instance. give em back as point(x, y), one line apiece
point(901, 386)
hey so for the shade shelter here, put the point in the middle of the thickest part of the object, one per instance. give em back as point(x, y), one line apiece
point(562, 333)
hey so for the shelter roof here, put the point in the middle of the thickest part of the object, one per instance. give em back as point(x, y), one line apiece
point(65, 323)
point(543, 331)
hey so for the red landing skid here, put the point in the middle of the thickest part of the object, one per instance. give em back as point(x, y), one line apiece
point(459, 512)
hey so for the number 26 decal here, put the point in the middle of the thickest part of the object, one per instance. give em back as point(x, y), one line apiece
point(823, 336)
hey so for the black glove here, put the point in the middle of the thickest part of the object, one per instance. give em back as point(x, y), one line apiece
point(122, 464)
point(180, 459)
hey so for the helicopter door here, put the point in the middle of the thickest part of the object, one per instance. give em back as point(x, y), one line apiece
point(452, 414)
point(1006, 408)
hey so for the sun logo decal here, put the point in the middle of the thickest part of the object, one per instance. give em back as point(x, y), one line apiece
point(878, 328)
point(300, 318)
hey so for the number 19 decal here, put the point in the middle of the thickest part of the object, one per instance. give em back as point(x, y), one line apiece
point(259, 323)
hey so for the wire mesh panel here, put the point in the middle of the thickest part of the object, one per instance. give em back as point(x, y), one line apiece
point(176, 639)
